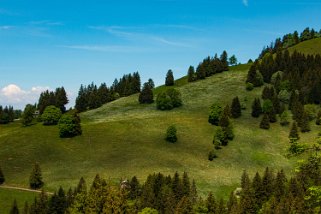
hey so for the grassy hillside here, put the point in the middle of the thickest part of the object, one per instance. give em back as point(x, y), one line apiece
point(123, 139)
point(311, 47)
point(7, 197)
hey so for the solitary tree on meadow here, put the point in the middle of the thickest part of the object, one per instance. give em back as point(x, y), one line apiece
point(35, 180)
point(169, 81)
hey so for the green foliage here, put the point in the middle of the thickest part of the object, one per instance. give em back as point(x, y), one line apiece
point(249, 86)
point(311, 111)
point(296, 148)
point(191, 74)
point(284, 96)
point(146, 95)
point(265, 122)
point(267, 106)
point(69, 125)
point(7, 114)
point(215, 113)
point(304, 123)
point(14, 209)
point(236, 108)
point(51, 115)
point(256, 108)
point(212, 155)
point(35, 179)
point(148, 210)
point(220, 137)
point(232, 60)
point(2, 178)
point(169, 99)
point(294, 134)
point(171, 134)
point(284, 118)
point(318, 119)
point(169, 81)
point(27, 116)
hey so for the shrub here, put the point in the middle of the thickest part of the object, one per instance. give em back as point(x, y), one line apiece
point(311, 111)
point(267, 106)
point(215, 114)
point(249, 86)
point(284, 118)
point(211, 155)
point(220, 137)
point(236, 108)
point(168, 99)
point(69, 125)
point(171, 134)
point(51, 115)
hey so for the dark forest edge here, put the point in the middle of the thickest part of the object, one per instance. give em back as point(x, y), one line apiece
point(272, 192)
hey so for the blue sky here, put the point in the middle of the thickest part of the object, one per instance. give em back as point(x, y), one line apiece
point(48, 44)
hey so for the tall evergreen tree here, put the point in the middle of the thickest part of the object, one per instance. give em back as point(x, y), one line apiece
point(146, 95)
point(305, 126)
point(211, 204)
point(294, 135)
point(2, 178)
point(14, 209)
point(169, 81)
point(35, 179)
point(191, 74)
point(27, 116)
point(256, 108)
point(265, 122)
point(224, 61)
point(61, 99)
point(236, 108)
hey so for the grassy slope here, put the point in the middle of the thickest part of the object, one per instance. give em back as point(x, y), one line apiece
point(311, 47)
point(7, 196)
point(123, 138)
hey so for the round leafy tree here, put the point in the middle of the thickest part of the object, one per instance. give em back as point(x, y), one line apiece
point(69, 125)
point(27, 116)
point(51, 115)
point(171, 134)
point(35, 180)
point(168, 99)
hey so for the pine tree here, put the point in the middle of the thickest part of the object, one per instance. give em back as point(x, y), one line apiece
point(27, 116)
point(224, 61)
point(318, 120)
point(267, 184)
point(305, 126)
point(211, 204)
point(14, 209)
point(265, 122)
point(256, 108)
point(184, 206)
point(224, 118)
point(35, 180)
point(280, 185)
point(245, 180)
point(61, 99)
point(258, 189)
point(177, 187)
point(294, 132)
point(2, 178)
point(236, 108)
point(169, 81)
point(193, 193)
point(272, 116)
point(186, 185)
point(191, 74)
point(146, 95)
point(26, 208)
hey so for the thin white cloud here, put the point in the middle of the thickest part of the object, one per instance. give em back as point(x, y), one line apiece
point(245, 3)
point(13, 95)
point(107, 48)
point(6, 27)
point(46, 22)
point(136, 34)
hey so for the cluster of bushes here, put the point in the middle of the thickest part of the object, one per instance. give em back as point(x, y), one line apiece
point(168, 99)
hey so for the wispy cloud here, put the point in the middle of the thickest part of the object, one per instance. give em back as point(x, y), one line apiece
point(46, 23)
point(7, 12)
point(138, 34)
point(6, 27)
point(107, 48)
point(245, 3)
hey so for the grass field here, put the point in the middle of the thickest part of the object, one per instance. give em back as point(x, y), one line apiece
point(7, 197)
point(123, 139)
point(311, 47)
